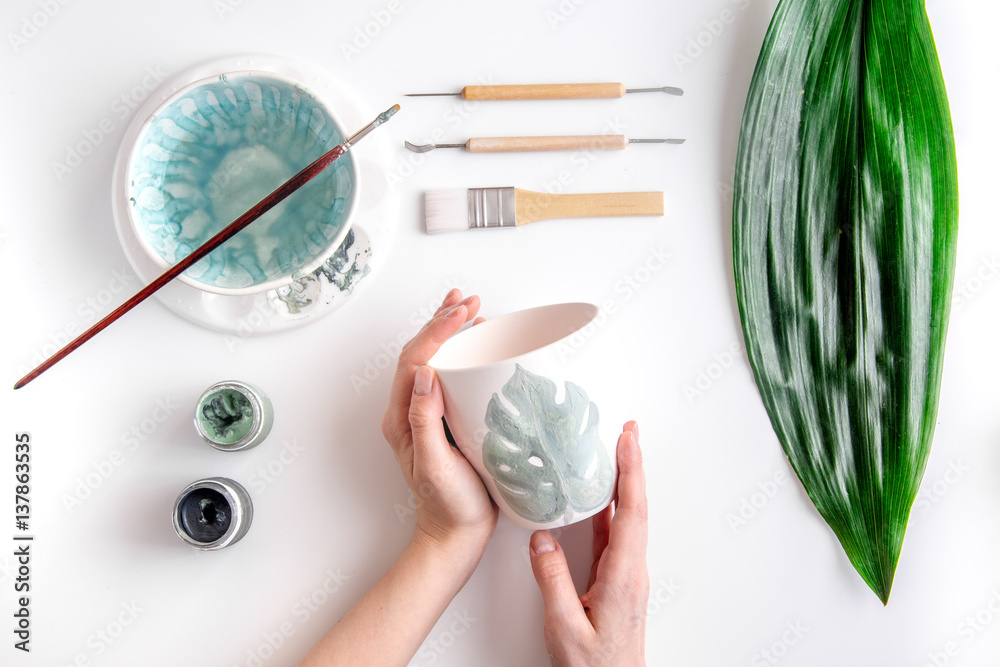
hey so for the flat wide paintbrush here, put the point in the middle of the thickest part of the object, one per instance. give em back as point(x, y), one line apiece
point(455, 210)
point(259, 209)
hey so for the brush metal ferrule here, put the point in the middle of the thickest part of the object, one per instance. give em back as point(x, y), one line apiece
point(492, 207)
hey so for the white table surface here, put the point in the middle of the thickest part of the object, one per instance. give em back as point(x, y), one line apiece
point(111, 583)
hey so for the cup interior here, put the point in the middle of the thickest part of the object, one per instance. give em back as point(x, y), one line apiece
point(213, 150)
point(513, 335)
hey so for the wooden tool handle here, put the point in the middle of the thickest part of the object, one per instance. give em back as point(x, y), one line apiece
point(534, 206)
point(596, 142)
point(545, 91)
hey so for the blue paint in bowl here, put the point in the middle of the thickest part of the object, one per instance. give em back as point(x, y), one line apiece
point(216, 148)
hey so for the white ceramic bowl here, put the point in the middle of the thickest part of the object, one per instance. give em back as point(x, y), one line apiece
point(214, 149)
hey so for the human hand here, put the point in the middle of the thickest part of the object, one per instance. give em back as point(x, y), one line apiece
point(607, 624)
point(454, 510)
point(455, 517)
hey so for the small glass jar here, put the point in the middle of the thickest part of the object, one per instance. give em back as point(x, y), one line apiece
point(212, 513)
point(233, 416)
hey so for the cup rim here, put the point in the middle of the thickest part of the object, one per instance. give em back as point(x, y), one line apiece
point(332, 247)
point(439, 361)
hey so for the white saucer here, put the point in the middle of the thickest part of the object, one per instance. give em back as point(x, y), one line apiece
point(325, 290)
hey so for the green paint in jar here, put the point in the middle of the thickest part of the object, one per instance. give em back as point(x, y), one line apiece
point(232, 416)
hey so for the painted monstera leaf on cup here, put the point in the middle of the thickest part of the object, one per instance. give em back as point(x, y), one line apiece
point(546, 457)
point(844, 236)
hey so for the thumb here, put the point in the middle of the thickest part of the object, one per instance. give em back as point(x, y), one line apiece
point(548, 562)
point(426, 409)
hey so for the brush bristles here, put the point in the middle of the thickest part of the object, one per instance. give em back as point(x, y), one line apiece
point(446, 210)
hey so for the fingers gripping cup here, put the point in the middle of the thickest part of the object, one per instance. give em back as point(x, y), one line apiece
point(528, 415)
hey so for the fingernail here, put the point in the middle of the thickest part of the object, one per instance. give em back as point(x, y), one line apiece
point(450, 295)
point(542, 543)
point(422, 381)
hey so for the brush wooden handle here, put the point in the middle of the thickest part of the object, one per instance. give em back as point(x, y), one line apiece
point(534, 206)
point(596, 142)
point(545, 91)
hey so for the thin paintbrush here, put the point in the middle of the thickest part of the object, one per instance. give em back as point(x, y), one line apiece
point(259, 209)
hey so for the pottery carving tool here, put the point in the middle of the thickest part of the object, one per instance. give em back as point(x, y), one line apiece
point(593, 142)
point(478, 208)
point(259, 209)
point(551, 91)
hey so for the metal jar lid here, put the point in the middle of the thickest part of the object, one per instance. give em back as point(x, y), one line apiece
point(232, 416)
point(212, 513)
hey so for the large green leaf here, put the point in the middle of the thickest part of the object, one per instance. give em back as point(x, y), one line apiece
point(546, 457)
point(845, 218)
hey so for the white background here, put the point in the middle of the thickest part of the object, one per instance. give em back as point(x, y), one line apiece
point(722, 592)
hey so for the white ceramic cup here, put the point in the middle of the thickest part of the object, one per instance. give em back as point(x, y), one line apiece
point(521, 401)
